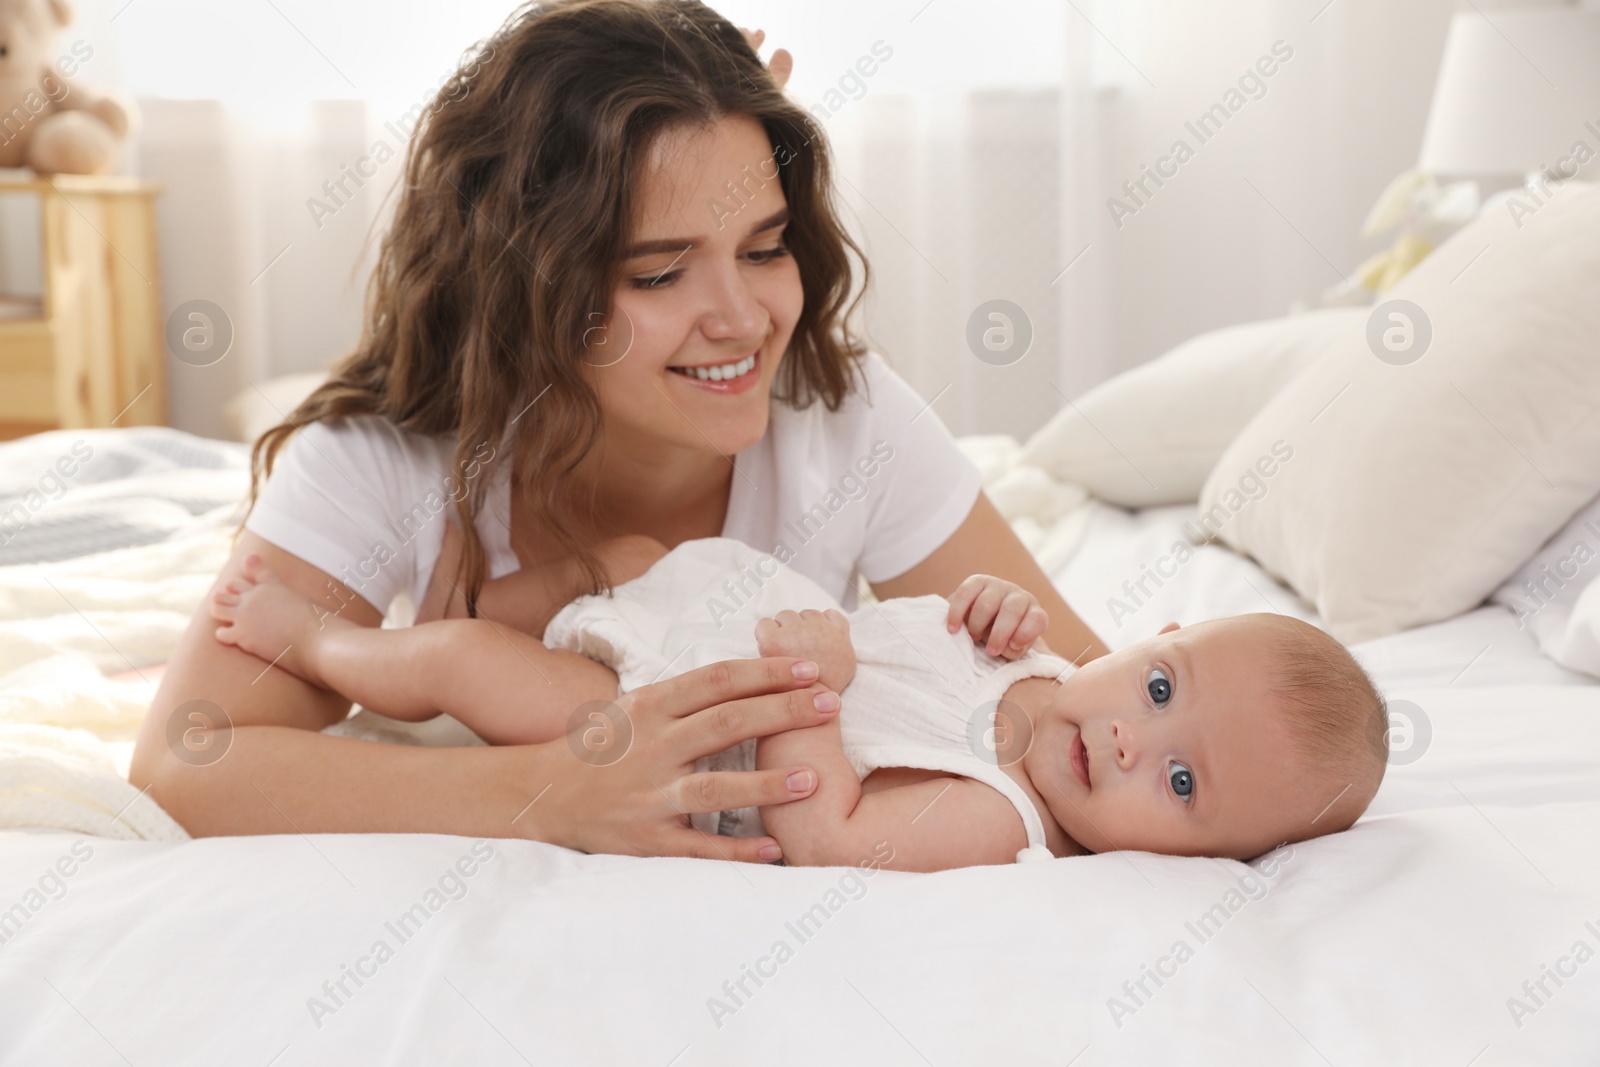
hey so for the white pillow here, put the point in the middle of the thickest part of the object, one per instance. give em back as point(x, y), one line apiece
point(1150, 436)
point(1413, 490)
point(1546, 593)
point(1576, 643)
point(255, 409)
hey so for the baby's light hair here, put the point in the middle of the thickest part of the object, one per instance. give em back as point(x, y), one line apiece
point(1337, 718)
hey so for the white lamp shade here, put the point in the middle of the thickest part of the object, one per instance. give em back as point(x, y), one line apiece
point(1518, 90)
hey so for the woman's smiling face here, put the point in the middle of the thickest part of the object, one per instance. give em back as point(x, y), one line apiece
point(708, 296)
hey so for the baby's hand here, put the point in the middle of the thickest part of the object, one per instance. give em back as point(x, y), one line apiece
point(1001, 614)
point(823, 637)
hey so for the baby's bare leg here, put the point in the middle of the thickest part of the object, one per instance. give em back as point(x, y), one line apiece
point(502, 684)
point(507, 687)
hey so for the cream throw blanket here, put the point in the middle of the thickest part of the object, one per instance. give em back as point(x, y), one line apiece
point(66, 729)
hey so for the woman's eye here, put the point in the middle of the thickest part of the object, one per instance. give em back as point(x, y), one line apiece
point(1182, 780)
point(767, 255)
point(656, 281)
point(1159, 686)
point(760, 257)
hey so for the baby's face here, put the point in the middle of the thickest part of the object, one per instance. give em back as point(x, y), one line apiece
point(1175, 745)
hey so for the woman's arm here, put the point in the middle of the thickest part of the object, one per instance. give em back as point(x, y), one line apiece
point(984, 543)
point(276, 774)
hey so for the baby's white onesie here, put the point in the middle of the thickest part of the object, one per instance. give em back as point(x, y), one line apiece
point(922, 697)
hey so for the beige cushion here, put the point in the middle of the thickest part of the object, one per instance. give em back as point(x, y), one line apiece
point(1415, 489)
point(1150, 436)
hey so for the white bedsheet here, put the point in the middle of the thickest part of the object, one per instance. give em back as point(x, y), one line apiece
point(1401, 941)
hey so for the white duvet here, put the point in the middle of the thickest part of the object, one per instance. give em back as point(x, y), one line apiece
point(1459, 923)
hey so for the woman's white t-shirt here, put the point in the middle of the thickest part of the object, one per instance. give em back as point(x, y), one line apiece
point(872, 488)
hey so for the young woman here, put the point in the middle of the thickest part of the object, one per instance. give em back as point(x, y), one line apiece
point(613, 301)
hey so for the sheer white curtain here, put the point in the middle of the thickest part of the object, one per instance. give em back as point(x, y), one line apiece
point(976, 164)
point(1002, 192)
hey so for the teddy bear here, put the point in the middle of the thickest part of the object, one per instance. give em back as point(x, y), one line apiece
point(47, 121)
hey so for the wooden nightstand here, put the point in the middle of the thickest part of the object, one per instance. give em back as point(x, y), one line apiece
point(89, 351)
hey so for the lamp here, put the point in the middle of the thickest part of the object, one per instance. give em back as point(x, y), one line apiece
point(1519, 91)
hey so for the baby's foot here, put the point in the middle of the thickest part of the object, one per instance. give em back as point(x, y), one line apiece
point(269, 620)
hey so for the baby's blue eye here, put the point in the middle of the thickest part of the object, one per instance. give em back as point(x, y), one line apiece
point(1182, 780)
point(1159, 686)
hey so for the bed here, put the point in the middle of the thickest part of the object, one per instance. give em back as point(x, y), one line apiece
point(1457, 923)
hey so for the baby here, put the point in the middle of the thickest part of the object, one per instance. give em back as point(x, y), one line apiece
point(1225, 738)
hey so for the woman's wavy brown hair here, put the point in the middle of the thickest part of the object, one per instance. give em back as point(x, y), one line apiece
point(521, 186)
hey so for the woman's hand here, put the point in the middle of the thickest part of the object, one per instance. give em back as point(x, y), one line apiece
point(1001, 614)
point(781, 65)
point(639, 803)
